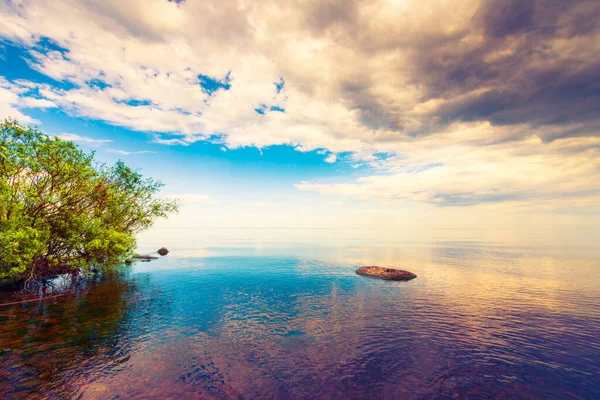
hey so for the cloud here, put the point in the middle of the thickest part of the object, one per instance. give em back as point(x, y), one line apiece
point(479, 88)
point(449, 170)
point(331, 158)
point(31, 102)
point(128, 153)
point(10, 102)
point(82, 139)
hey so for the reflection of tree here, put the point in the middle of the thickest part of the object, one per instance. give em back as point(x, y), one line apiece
point(49, 346)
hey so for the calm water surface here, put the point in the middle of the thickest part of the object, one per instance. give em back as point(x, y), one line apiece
point(281, 314)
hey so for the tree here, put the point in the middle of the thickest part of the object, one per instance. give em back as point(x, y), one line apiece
point(60, 212)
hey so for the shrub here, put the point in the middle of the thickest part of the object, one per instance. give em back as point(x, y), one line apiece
point(60, 211)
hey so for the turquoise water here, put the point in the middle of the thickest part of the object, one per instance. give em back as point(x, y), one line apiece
point(281, 314)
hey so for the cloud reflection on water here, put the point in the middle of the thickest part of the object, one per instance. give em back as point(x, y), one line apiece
point(481, 319)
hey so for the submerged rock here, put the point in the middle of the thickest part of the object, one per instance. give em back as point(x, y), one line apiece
point(386, 273)
point(145, 257)
point(162, 251)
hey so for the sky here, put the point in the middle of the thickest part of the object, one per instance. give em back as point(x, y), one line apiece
point(328, 113)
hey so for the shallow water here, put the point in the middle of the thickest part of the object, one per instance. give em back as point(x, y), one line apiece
point(281, 314)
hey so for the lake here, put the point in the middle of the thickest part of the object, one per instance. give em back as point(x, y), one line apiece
point(280, 313)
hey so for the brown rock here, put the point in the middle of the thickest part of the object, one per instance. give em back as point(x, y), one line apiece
point(386, 273)
point(162, 251)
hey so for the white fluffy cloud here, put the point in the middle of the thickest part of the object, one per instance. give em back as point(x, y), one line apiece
point(467, 101)
point(331, 158)
point(82, 139)
point(128, 153)
point(10, 102)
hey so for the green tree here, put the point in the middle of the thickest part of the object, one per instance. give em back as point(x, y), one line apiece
point(60, 212)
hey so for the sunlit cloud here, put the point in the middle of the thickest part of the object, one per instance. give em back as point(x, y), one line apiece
point(129, 153)
point(454, 104)
point(10, 102)
point(82, 139)
point(331, 158)
point(449, 171)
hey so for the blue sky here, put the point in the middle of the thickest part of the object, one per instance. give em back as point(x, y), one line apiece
point(322, 113)
point(203, 166)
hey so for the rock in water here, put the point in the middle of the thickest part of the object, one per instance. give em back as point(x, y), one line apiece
point(386, 273)
point(162, 251)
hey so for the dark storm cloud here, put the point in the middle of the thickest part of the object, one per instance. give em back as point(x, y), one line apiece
point(373, 114)
point(326, 14)
point(504, 17)
point(514, 62)
point(535, 65)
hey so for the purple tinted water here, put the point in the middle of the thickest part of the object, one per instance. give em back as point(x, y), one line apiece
point(276, 318)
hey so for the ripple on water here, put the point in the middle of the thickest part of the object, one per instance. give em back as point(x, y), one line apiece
point(475, 323)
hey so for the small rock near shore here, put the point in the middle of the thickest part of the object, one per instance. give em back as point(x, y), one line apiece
point(162, 251)
point(386, 273)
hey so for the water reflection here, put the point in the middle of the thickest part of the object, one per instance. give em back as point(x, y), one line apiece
point(49, 346)
point(481, 320)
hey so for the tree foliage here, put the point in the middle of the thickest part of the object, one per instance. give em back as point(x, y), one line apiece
point(60, 211)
